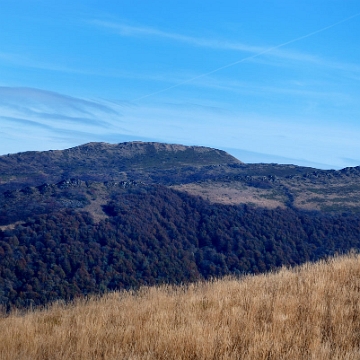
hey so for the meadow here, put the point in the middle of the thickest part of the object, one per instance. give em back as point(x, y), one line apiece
point(308, 312)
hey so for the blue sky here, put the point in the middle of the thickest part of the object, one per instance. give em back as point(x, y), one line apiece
point(268, 81)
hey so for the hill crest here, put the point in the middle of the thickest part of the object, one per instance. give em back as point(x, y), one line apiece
point(104, 162)
point(133, 148)
point(126, 149)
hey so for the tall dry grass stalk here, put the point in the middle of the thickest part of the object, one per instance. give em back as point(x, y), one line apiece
point(311, 312)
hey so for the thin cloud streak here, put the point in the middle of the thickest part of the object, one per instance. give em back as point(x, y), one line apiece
point(24, 122)
point(136, 31)
point(55, 120)
point(350, 70)
point(53, 113)
point(288, 89)
point(33, 98)
point(25, 60)
point(222, 44)
point(253, 56)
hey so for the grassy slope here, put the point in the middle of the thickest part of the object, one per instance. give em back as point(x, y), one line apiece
point(311, 312)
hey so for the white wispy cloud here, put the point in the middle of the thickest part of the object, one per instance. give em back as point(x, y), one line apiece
point(35, 119)
point(137, 31)
point(28, 61)
point(273, 55)
point(267, 51)
point(50, 106)
point(35, 110)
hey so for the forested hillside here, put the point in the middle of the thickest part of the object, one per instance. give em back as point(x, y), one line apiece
point(152, 235)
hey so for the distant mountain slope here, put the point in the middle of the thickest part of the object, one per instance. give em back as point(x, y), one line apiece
point(210, 173)
point(102, 162)
point(295, 187)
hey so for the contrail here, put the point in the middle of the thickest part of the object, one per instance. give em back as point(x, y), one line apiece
point(249, 57)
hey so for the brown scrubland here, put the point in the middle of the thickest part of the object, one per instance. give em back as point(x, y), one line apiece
point(309, 312)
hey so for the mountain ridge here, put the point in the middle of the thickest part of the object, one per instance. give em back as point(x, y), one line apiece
point(206, 172)
point(126, 149)
point(103, 161)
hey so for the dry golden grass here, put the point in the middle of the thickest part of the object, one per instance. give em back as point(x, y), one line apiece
point(234, 193)
point(311, 312)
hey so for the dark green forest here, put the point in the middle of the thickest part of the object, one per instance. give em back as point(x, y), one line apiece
point(155, 235)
